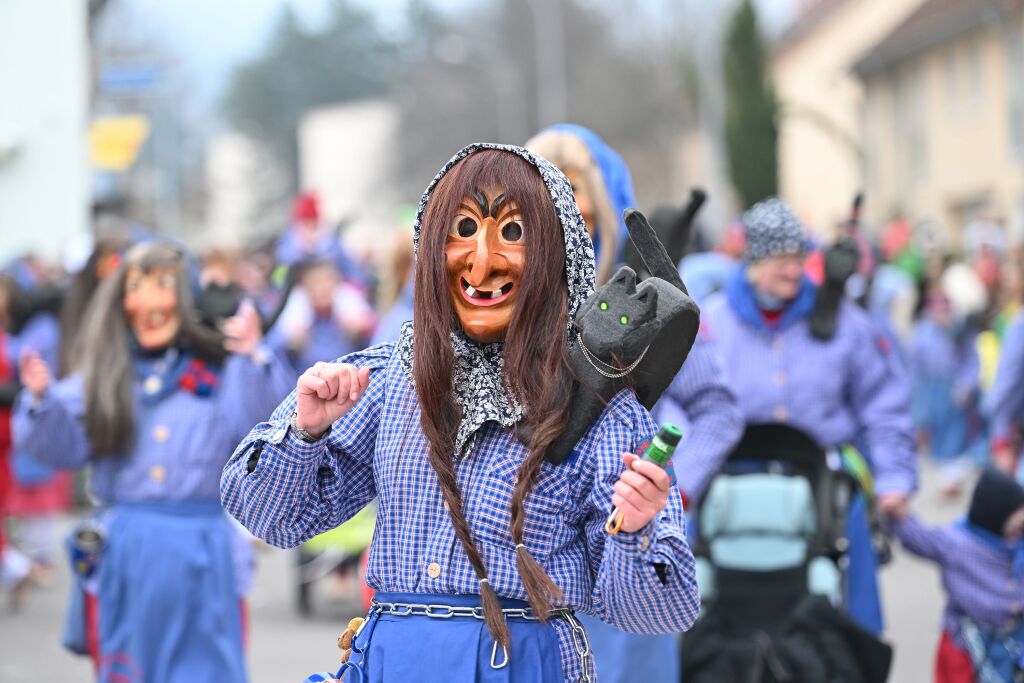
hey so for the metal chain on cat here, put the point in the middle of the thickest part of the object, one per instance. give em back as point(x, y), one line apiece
point(594, 360)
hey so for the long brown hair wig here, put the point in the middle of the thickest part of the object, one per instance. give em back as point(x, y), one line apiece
point(536, 369)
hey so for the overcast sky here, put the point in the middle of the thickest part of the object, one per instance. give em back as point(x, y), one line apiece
point(211, 37)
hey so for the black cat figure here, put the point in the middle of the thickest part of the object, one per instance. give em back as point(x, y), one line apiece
point(628, 335)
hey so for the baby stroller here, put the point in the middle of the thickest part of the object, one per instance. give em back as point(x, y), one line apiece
point(771, 551)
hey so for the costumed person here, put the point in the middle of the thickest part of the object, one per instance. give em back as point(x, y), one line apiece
point(154, 407)
point(494, 488)
point(601, 184)
point(837, 390)
point(698, 397)
point(707, 272)
point(16, 575)
point(944, 366)
point(894, 295)
point(323, 319)
point(1004, 402)
point(396, 305)
point(981, 558)
point(38, 494)
point(308, 238)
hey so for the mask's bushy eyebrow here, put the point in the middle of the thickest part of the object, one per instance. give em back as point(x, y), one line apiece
point(498, 202)
point(481, 202)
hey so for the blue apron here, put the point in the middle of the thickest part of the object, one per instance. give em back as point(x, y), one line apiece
point(440, 650)
point(169, 609)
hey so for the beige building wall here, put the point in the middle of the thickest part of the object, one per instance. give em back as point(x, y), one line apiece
point(939, 130)
point(348, 155)
point(821, 103)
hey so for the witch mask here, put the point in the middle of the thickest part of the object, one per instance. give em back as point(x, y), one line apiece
point(485, 256)
point(151, 306)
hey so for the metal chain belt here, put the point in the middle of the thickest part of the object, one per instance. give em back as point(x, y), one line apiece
point(580, 641)
point(402, 609)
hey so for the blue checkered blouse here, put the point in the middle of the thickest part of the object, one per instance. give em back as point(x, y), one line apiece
point(641, 582)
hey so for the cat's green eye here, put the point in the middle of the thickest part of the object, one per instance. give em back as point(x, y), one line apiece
point(603, 305)
point(624, 320)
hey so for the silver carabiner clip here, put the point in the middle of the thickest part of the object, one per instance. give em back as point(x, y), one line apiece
point(494, 654)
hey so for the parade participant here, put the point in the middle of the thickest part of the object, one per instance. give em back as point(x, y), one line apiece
point(981, 559)
point(37, 494)
point(601, 184)
point(707, 272)
point(16, 574)
point(308, 238)
point(434, 426)
point(944, 369)
point(324, 318)
point(835, 390)
point(154, 407)
point(698, 396)
point(1004, 403)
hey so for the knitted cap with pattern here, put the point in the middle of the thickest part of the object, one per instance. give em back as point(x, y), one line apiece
point(772, 230)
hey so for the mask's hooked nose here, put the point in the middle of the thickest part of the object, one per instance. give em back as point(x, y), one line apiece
point(483, 257)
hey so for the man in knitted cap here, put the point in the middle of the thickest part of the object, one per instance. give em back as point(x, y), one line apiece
point(839, 390)
point(981, 559)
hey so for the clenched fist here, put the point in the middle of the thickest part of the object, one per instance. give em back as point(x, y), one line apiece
point(325, 392)
point(34, 373)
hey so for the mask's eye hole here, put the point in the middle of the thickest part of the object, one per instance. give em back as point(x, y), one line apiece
point(603, 305)
point(512, 232)
point(167, 281)
point(624, 320)
point(466, 227)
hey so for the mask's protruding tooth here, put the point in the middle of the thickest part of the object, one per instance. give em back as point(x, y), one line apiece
point(470, 290)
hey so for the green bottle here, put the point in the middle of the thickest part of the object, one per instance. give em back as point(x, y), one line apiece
point(658, 450)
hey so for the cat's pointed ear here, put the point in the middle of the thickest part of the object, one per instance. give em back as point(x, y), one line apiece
point(647, 296)
point(625, 277)
point(651, 250)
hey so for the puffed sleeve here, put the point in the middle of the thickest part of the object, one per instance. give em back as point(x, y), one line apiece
point(50, 428)
point(1005, 400)
point(644, 581)
point(879, 391)
point(286, 490)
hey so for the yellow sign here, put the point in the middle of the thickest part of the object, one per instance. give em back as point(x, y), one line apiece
point(115, 141)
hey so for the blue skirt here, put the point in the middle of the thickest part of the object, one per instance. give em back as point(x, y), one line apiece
point(432, 650)
point(169, 610)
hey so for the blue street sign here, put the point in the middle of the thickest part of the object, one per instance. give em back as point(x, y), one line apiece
point(126, 79)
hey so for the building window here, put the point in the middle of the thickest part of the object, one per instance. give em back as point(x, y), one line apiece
point(1015, 55)
point(910, 122)
point(952, 82)
point(918, 124)
point(974, 73)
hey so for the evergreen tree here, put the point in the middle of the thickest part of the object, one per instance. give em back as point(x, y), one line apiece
point(751, 131)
